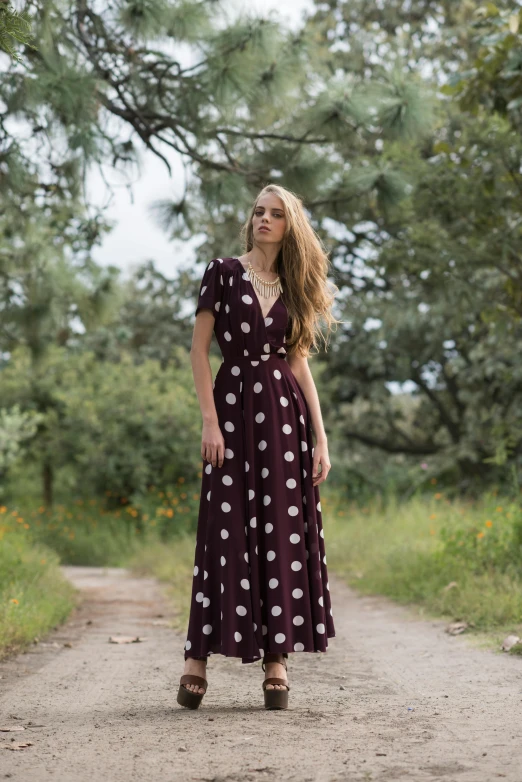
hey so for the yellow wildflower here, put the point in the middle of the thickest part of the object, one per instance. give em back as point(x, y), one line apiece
point(489, 523)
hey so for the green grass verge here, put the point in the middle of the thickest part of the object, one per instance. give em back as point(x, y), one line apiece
point(34, 596)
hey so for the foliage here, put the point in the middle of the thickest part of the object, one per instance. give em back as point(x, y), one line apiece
point(123, 426)
point(34, 596)
point(15, 429)
point(15, 28)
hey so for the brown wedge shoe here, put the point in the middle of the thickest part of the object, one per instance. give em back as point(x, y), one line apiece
point(188, 698)
point(275, 699)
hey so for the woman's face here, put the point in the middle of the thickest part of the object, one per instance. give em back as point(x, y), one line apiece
point(269, 221)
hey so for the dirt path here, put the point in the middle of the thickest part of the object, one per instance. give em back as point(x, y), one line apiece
point(394, 698)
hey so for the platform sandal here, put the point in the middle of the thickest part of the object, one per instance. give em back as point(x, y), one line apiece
point(189, 698)
point(275, 699)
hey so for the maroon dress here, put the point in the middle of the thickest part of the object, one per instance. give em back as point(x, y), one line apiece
point(260, 581)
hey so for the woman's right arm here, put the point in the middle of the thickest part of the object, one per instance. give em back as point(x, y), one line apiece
point(212, 440)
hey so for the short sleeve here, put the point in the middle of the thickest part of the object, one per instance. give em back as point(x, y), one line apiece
point(211, 289)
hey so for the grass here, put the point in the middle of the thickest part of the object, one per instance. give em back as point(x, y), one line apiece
point(34, 596)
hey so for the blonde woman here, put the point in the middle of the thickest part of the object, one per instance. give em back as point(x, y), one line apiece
point(260, 585)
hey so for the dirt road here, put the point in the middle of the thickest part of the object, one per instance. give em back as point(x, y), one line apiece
point(394, 698)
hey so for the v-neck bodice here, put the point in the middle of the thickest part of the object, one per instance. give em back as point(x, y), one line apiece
point(240, 327)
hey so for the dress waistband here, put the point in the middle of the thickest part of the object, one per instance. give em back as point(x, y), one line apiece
point(246, 359)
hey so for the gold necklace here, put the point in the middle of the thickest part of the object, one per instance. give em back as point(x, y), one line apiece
point(265, 288)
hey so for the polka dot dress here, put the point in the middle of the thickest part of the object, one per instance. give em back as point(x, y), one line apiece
point(260, 580)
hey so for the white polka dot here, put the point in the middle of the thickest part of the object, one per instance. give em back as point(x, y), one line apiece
point(188, 645)
point(273, 583)
point(196, 570)
point(241, 610)
point(287, 429)
point(266, 347)
point(231, 398)
point(254, 363)
point(280, 638)
point(264, 629)
point(257, 388)
point(295, 538)
point(207, 629)
point(237, 637)
point(211, 264)
point(203, 289)
point(324, 559)
point(293, 510)
point(298, 647)
point(291, 483)
point(224, 534)
point(277, 374)
point(262, 445)
point(246, 556)
point(251, 494)
point(297, 593)
point(206, 602)
point(270, 555)
point(227, 308)
point(235, 370)
point(289, 456)
point(296, 565)
point(277, 610)
point(264, 472)
point(228, 336)
point(199, 597)
point(229, 426)
point(260, 417)
point(229, 454)
point(268, 321)
point(320, 628)
point(227, 480)
point(282, 350)
point(247, 299)
point(208, 469)
point(247, 466)
point(298, 620)
point(301, 419)
point(245, 327)
point(267, 500)
point(322, 533)
point(304, 446)
point(222, 588)
point(208, 495)
point(321, 601)
point(284, 401)
point(230, 280)
point(226, 507)
point(223, 561)
point(269, 527)
point(253, 522)
point(205, 575)
point(319, 507)
point(245, 352)
point(245, 583)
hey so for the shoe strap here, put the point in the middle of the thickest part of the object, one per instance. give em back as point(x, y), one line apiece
point(191, 678)
point(275, 680)
point(271, 657)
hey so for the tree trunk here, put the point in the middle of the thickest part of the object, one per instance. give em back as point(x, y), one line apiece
point(47, 481)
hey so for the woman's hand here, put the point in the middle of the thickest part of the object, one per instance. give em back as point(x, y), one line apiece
point(320, 458)
point(212, 444)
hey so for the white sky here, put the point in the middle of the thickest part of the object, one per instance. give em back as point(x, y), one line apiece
point(135, 237)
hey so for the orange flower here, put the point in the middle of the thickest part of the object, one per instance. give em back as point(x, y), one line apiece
point(432, 532)
point(499, 509)
point(14, 600)
point(438, 495)
point(489, 523)
point(480, 535)
point(26, 526)
point(43, 562)
point(433, 516)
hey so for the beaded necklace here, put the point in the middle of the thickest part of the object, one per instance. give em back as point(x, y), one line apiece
point(265, 288)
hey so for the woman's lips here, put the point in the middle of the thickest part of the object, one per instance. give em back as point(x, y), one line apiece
point(262, 228)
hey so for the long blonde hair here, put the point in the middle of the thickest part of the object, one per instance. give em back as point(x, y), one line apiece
point(303, 266)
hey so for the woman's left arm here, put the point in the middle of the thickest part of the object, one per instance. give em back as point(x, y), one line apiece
point(303, 375)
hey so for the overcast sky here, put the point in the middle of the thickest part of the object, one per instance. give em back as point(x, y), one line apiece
point(135, 237)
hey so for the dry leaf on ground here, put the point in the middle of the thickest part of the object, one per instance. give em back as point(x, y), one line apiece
point(509, 641)
point(12, 728)
point(126, 639)
point(17, 745)
point(455, 628)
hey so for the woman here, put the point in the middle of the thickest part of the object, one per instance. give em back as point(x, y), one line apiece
point(260, 584)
